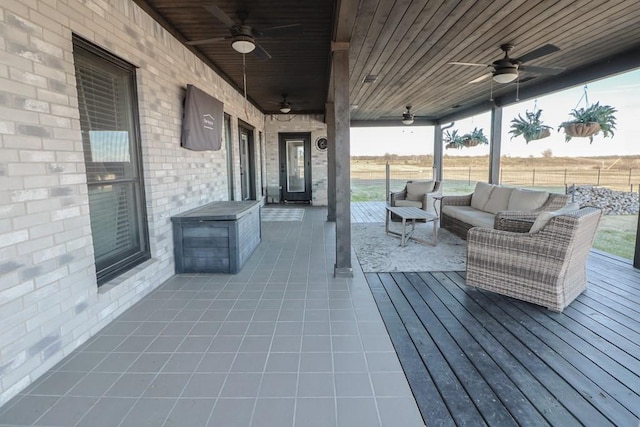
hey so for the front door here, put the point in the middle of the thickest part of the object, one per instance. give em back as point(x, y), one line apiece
point(295, 167)
point(247, 172)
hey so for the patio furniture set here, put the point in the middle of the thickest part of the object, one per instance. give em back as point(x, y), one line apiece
point(529, 245)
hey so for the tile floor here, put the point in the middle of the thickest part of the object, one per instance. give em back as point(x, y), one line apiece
point(282, 343)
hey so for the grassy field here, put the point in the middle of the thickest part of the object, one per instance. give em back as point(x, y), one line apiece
point(618, 173)
point(617, 235)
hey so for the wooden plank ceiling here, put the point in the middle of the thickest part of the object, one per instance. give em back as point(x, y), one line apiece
point(408, 45)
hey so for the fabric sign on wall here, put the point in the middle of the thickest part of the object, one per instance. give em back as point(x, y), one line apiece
point(202, 122)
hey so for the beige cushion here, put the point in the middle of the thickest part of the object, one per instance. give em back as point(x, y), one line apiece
point(481, 195)
point(526, 200)
point(543, 219)
point(408, 204)
point(477, 218)
point(417, 189)
point(498, 200)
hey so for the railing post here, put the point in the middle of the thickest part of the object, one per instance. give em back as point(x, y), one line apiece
point(387, 186)
point(533, 178)
point(565, 177)
point(598, 183)
point(469, 178)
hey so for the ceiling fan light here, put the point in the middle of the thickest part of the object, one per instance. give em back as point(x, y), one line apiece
point(285, 108)
point(505, 75)
point(407, 119)
point(243, 44)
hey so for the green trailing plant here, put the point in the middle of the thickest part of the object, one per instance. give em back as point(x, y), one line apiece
point(455, 140)
point(475, 137)
point(589, 121)
point(452, 139)
point(529, 127)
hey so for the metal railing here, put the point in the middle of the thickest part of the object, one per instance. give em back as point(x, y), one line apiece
point(370, 185)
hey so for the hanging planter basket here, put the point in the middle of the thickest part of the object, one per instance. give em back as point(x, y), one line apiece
point(544, 133)
point(581, 130)
point(470, 142)
point(530, 127)
point(471, 139)
point(590, 121)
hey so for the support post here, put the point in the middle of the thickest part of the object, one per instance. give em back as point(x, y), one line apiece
point(340, 68)
point(438, 149)
point(636, 256)
point(331, 162)
point(496, 144)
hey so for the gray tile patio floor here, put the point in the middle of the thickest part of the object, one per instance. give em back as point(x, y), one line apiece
point(282, 343)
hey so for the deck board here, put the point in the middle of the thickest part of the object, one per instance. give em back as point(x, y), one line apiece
point(490, 359)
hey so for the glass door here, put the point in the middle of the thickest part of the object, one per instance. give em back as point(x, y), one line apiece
point(295, 167)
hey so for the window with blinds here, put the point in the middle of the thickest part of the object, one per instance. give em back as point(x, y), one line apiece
point(108, 120)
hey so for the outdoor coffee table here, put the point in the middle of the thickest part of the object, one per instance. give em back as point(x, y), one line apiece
point(411, 214)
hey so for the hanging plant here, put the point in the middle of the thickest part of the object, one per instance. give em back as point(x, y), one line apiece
point(530, 127)
point(474, 138)
point(471, 139)
point(589, 121)
point(452, 140)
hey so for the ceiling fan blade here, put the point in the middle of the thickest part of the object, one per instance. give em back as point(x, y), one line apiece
point(206, 41)
point(260, 53)
point(221, 15)
point(469, 63)
point(537, 53)
point(541, 70)
point(481, 78)
point(280, 31)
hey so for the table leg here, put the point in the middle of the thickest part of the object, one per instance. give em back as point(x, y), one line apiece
point(386, 221)
point(435, 231)
point(404, 231)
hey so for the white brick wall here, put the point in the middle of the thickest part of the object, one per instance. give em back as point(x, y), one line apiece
point(49, 300)
point(282, 123)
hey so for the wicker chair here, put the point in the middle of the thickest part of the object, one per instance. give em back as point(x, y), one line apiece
point(424, 201)
point(545, 267)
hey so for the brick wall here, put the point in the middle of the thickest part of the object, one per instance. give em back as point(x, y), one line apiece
point(49, 300)
point(314, 124)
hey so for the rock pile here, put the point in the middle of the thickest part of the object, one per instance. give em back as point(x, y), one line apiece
point(611, 202)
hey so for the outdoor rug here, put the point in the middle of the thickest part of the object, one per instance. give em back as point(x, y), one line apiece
point(282, 214)
point(378, 252)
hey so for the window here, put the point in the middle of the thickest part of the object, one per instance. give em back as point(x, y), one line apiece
point(110, 137)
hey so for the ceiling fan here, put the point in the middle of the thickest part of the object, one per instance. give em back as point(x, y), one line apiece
point(243, 37)
point(407, 116)
point(506, 70)
point(285, 107)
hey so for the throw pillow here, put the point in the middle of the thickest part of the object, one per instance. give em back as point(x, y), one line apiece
point(544, 217)
point(481, 195)
point(526, 200)
point(498, 200)
point(417, 189)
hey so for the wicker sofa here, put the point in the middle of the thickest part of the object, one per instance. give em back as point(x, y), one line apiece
point(498, 207)
point(546, 266)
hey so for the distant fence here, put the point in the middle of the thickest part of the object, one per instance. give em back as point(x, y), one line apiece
point(370, 185)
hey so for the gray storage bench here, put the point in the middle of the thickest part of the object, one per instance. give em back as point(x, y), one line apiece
point(216, 238)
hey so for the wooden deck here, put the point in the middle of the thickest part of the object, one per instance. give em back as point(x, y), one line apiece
point(474, 357)
point(367, 211)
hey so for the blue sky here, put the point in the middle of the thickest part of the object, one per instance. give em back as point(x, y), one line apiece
point(621, 92)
